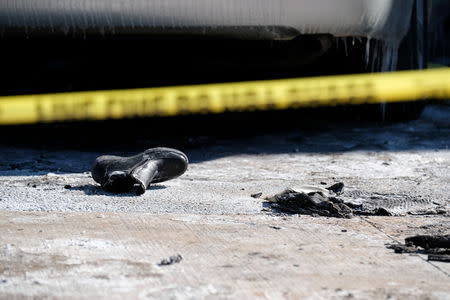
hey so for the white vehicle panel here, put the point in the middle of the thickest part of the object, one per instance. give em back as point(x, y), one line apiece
point(277, 19)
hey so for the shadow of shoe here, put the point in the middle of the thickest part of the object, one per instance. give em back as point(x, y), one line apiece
point(93, 190)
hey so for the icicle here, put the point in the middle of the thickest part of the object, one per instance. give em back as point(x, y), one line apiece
point(420, 34)
point(389, 60)
point(375, 56)
point(367, 51)
point(65, 30)
point(394, 59)
point(345, 46)
point(389, 55)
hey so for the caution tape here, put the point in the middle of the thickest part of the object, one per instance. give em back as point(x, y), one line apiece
point(218, 98)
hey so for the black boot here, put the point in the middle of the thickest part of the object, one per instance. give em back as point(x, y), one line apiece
point(121, 174)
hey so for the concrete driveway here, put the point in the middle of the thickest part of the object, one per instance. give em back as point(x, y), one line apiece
point(64, 237)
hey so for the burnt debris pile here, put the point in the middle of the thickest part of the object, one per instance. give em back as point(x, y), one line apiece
point(436, 246)
point(318, 201)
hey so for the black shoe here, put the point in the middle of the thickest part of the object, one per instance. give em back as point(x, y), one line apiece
point(121, 174)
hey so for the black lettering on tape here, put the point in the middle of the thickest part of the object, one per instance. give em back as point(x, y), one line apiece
point(39, 113)
point(71, 111)
point(111, 107)
point(61, 112)
point(300, 96)
point(370, 90)
point(235, 100)
point(183, 104)
point(350, 88)
point(269, 101)
point(130, 108)
point(293, 97)
point(251, 100)
point(332, 92)
point(84, 109)
point(203, 103)
point(153, 106)
point(230, 100)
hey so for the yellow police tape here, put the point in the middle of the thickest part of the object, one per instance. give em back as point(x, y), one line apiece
point(217, 98)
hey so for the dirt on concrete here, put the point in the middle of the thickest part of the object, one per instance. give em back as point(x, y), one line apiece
point(116, 256)
point(174, 259)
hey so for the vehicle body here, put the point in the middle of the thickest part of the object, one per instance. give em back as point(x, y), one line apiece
point(251, 19)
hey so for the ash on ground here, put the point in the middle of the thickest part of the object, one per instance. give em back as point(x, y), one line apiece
point(436, 246)
point(333, 202)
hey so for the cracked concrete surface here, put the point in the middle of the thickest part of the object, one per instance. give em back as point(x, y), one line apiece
point(63, 236)
point(116, 256)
